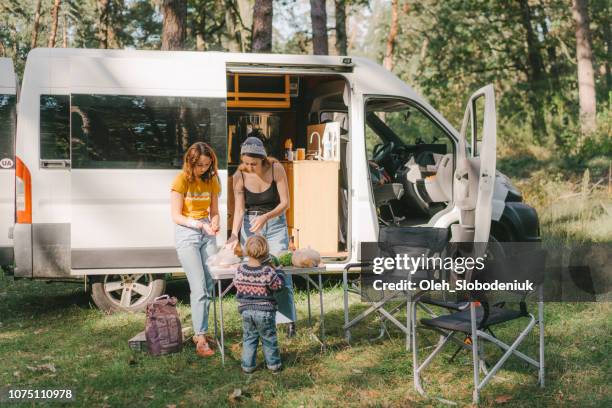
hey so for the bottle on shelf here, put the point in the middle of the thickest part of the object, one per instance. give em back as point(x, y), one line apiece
point(288, 148)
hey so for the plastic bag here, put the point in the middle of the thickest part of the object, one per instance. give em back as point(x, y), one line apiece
point(225, 257)
point(306, 258)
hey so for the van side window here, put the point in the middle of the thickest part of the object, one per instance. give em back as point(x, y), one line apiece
point(144, 132)
point(7, 131)
point(54, 127)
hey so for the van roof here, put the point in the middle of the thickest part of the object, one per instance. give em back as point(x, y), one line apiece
point(229, 57)
point(8, 80)
point(368, 76)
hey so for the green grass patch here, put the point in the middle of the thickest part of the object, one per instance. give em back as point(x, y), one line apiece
point(44, 325)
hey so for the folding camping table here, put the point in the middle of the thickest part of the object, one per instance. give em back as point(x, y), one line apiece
point(219, 274)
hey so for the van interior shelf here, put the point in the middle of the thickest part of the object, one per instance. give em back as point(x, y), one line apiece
point(245, 91)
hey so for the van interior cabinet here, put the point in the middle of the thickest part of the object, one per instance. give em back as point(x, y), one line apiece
point(312, 216)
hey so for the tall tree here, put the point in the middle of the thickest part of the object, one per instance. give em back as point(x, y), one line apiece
point(173, 28)
point(104, 11)
point(341, 41)
point(390, 45)
point(262, 26)
point(64, 30)
point(36, 24)
point(586, 76)
point(54, 19)
point(319, 27)
point(535, 71)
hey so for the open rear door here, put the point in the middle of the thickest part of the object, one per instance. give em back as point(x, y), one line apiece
point(132, 119)
point(475, 172)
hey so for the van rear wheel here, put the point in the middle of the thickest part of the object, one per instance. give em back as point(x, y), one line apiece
point(128, 293)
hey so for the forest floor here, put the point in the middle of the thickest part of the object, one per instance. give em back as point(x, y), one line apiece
point(52, 337)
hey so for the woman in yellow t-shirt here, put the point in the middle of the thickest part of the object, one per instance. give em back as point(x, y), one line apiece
point(195, 211)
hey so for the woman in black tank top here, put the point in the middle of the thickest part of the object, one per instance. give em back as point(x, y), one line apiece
point(261, 197)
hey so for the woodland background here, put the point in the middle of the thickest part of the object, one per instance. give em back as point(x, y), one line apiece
point(549, 59)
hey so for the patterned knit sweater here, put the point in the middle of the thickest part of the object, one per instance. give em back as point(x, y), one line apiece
point(254, 287)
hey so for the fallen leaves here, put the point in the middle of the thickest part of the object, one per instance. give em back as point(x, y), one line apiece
point(43, 367)
point(502, 399)
point(235, 396)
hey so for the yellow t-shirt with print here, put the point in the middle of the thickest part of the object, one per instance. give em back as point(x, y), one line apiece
point(197, 195)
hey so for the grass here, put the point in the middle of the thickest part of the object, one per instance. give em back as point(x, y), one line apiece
point(51, 336)
point(56, 324)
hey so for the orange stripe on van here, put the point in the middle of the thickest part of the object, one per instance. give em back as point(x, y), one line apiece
point(21, 171)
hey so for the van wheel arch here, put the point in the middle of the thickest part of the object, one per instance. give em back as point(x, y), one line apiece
point(127, 293)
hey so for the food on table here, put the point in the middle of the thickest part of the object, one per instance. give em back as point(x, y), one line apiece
point(306, 258)
point(285, 258)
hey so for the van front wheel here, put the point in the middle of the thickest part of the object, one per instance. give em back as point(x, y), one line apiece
point(128, 293)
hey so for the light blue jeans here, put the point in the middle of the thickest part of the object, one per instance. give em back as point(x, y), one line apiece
point(193, 247)
point(275, 231)
point(259, 324)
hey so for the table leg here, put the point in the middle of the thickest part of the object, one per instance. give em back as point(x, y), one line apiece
point(347, 331)
point(322, 312)
point(308, 297)
point(222, 329)
point(215, 311)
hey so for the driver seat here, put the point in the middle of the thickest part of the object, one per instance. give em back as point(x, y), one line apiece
point(383, 195)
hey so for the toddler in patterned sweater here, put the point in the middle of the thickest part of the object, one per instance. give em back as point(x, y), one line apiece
point(254, 284)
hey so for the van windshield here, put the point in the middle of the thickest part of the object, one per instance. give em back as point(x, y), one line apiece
point(8, 122)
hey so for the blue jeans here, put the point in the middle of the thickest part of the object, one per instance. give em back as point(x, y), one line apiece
point(256, 324)
point(193, 248)
point(275, 231)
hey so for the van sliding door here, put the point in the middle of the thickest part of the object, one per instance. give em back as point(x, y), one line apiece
point(131, 122)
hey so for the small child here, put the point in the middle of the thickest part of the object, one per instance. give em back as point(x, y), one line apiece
point(255, 282)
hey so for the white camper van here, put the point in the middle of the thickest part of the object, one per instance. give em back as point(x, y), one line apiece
point(101, 134)
point(8, 123)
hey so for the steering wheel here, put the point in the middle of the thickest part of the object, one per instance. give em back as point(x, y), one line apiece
point(381, 151)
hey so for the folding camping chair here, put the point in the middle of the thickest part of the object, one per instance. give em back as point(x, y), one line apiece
point(415, 241)
point(479, 318)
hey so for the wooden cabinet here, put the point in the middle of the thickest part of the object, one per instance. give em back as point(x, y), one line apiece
point(313, 213)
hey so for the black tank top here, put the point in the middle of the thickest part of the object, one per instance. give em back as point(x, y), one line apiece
point(265, 201)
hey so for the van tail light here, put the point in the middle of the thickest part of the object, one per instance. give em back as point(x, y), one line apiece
point(23, 193)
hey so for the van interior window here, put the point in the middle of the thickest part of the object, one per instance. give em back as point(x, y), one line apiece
point(55, 127)
point(8, 122)
point(410, 158)
point(143, 132)
point(295, 116)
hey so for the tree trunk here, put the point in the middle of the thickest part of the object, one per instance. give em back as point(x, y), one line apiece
point(36, 25)
point(64, 30)
point(586, 76)
point(390, 45)
point(234, 43)
point(535, 73)
point(173, 28)
point(246, 23)
point(103, 18)
point(54, 18)
point(318, 16)
point(262, 26)
point(341, 42)
point(608, 39)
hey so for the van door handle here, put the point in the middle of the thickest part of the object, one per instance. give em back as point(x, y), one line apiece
point(55, 164)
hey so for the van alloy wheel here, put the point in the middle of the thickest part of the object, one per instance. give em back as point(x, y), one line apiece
point(129, 292)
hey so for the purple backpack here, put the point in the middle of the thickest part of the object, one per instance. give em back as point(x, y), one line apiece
point(163, 327)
